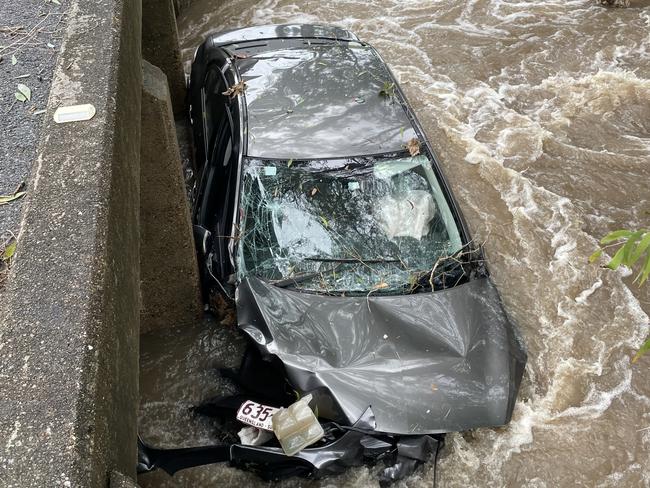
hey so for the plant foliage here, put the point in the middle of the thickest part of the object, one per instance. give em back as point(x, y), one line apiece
point(633, 247)
point(633, 250)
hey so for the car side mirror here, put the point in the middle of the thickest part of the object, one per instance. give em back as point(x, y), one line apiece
point(202, 240)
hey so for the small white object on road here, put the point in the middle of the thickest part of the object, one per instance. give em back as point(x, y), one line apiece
point(74, 113)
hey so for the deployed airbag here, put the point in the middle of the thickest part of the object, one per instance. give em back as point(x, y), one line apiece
point(407, 215)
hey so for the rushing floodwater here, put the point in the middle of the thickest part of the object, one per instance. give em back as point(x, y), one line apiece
point(540, 114)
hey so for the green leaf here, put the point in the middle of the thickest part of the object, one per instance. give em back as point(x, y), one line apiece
point(14, 61)
point(55, 2)
point(595, 255)
point(644, 348)
point(20, 97)
point(9, 251)
point(645, 271)
point(629, 246)
point(325, 221)
point(617, 259)
point(387, 90)
point(641, 248)
point(616, 235)
point(289, 163)
point(25, 90)
point(4, 199)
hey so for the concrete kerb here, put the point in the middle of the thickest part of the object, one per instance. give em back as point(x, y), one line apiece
point(70, 312)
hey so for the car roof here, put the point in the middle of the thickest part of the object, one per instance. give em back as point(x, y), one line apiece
point(319, 98)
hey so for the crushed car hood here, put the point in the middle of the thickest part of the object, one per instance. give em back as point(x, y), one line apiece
point(425, 363)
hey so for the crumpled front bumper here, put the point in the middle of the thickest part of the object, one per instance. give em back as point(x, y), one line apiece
point(359, 445)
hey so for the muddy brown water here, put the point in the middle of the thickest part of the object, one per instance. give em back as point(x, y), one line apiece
point(540, 114)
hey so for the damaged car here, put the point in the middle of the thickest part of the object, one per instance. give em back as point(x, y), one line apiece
point(321, 212)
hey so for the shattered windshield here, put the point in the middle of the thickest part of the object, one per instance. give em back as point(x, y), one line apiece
point(345, 225)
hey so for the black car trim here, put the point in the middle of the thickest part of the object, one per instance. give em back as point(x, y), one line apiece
point(264, 41)
point(243, 146)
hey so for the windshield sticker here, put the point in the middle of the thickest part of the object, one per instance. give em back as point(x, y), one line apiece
point(353, 185)
point(270, 170)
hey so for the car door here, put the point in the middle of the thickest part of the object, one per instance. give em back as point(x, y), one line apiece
point(215, 200)
point(207, 102)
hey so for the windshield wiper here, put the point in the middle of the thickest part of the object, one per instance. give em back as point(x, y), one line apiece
point(299, 278)
point(353, 260)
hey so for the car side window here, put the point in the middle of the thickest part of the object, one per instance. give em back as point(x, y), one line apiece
point(214, 211)
point(214, 177)
point(217, 121)
point(221, 130)
point(215, 109)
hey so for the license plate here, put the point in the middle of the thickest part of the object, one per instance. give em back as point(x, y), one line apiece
point(256, 414)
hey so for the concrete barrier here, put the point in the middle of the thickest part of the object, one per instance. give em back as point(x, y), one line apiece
point(160, 46)
point(169, 271)
point(70, 312)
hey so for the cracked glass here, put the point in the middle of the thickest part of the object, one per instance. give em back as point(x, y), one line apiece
point(344, 225)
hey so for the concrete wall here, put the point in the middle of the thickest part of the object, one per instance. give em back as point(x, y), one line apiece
point(180, 5)
point(69, 317)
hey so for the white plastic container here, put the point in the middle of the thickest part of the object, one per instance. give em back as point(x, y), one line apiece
point(297, 427)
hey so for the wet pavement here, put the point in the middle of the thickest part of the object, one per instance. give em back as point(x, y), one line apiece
point(30, 39)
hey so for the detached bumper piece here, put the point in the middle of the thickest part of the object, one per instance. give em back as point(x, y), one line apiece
point(341, 448)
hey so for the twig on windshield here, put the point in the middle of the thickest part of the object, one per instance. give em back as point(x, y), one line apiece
point(323, 282)
point(469, 250)
point(433, 270)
